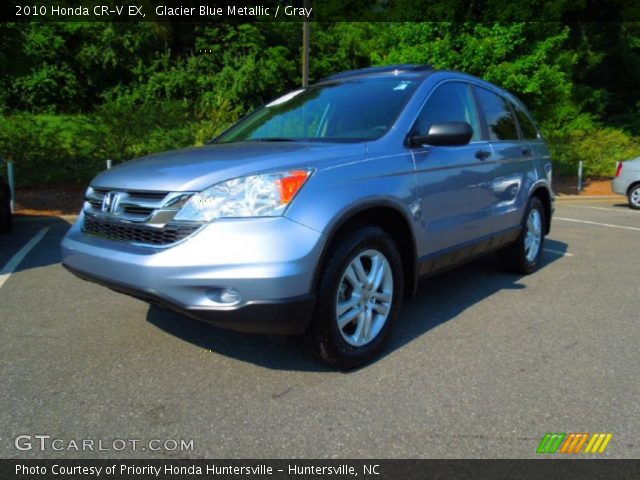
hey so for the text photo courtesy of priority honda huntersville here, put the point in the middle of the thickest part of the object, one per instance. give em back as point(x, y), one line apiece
point(317, 213)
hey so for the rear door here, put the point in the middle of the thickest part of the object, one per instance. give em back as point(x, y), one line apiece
point(512, 158)
point(454, 182)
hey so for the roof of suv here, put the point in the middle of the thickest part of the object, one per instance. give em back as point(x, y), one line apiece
point(419, 70)
point(402, 68)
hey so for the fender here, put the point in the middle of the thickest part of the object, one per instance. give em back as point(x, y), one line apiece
point(352, 212)
point(544, 183)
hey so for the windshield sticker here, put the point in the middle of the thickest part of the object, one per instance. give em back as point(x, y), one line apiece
point(401, 85)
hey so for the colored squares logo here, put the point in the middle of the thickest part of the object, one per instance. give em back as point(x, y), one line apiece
point(574, 443)
point(551, 442)
point(598, 443)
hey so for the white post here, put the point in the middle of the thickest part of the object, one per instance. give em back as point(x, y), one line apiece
point(109, 164)
point(11, 178)
point(580, 165)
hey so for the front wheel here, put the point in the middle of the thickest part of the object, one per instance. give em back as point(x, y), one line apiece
point(358, 299)
point(634, 197)
point(525, 254)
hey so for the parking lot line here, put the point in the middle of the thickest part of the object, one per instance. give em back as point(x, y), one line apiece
point(14, 261)
point(558, 252)
point(628, 210)
point(597, 223)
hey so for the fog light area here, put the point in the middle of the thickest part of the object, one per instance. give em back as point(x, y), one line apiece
point(224, 296)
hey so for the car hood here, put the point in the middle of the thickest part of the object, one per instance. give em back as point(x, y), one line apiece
point(195, 169)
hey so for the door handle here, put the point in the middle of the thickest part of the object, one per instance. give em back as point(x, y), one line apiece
point(526, 151)
point(483, 154)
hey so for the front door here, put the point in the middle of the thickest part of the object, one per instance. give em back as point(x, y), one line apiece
point(454, 183)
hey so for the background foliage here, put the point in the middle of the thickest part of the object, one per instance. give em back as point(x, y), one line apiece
point(74, 94)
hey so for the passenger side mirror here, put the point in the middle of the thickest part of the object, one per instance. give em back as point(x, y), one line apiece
point(444, 134)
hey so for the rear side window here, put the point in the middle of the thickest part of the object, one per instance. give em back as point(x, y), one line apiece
point(450, 102)
point(529, 130)
point(500, 120)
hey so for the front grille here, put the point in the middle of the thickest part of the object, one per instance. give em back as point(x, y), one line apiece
point(150, 207)
point(136, 233)
point(135, 193)
point(136, 205)
point(139, 210)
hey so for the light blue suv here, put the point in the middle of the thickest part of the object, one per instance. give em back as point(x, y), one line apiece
point(320, 211)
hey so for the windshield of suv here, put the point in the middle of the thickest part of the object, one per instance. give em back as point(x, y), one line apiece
point(350, 110)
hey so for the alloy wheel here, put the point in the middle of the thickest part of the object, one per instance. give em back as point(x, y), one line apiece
point(533, 236)
point(364, 297)
point(635, 197)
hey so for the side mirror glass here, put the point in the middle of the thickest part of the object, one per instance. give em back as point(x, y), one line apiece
point(444, 134)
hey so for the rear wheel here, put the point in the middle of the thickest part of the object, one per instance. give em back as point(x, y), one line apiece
point(634, 197)
point(525, 254)
point(358, 299)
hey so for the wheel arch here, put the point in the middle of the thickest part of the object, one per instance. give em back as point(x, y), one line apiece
point(392, 220)
point(544, 194)
point(631, 186)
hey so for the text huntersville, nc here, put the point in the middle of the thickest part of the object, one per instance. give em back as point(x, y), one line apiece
point(193, 469)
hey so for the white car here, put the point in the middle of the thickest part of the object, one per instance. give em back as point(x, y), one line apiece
point(627, 181)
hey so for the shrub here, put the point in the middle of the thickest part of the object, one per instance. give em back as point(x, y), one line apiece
point(131, 128)
point(55, 149)
point(50, 148)
point(599, 147)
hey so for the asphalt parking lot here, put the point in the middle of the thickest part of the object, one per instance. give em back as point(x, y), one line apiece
point(482, 364)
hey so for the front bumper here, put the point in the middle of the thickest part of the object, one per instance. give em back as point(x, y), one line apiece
point(283, 317)
point(269, 261)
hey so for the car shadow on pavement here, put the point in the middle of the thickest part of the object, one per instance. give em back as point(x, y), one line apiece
point(438, 300)
point(274, 352)
point(442, 298)
point(25, 229)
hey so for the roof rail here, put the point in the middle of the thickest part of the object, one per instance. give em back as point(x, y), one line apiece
point(370, 70)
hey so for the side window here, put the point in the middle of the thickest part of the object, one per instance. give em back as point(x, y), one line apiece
point(500, 121)
point(450, 102)
point(529, 130)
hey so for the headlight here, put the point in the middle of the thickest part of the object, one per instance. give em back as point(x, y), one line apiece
point(265, 195)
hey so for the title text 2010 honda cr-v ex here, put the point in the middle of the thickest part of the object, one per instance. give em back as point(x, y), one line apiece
point(318, 213)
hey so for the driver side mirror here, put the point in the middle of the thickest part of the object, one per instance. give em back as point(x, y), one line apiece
point(443, 134)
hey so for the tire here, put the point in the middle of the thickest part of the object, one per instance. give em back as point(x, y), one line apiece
point(5, 216)
point(362, 338)
point(519, 256)
point(634, 197)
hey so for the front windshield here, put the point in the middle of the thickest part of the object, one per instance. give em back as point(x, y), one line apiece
point(353, 110)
